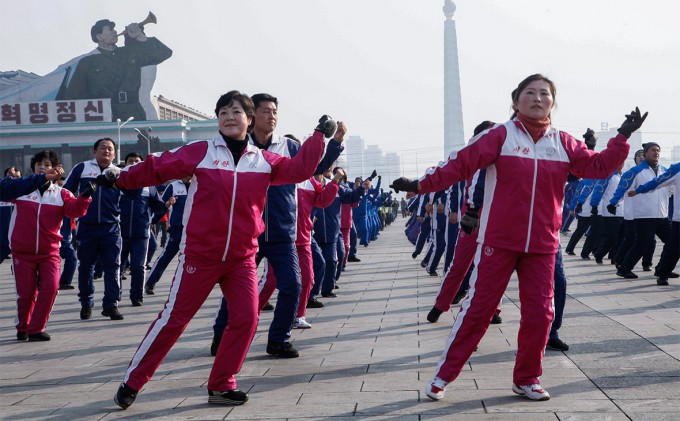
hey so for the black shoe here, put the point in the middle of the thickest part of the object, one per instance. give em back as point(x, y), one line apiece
point(22, 336)
point(496, 319)
point(268, 307)
point(414, 255)
point(585, 257)
point(557, 345)
point(314, 303)
point(149, 289)
point(599, 261)
point(65, 286)
point(282, 349)
point(97, 276)
point(659, 281)
point(125, 396)
point(336, 286)
point(38, 337)
point(674, 275)
point(85, 313)
point(647, 268)
point(329, 294)
point(148, 267)
point(137, 303)
point(113, 313)
point(570, 252)
point(423, 264)
point(459, 297)
point(433, 273)
point(354, 259)
point(123, 277)
point(433, 315)
point(215, 344)
point(230, 397)
point(627, 275)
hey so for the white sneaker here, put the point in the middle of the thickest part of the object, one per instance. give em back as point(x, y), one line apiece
point(532, 391)
point(301, 323)
point(435, 388)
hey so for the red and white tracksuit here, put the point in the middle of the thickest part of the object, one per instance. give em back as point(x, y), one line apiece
point(222, 220)
point(346, 227)
point(35, 240)
point(310, 194)
point(519, 225)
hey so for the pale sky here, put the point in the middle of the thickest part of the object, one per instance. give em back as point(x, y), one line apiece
point(378, 64)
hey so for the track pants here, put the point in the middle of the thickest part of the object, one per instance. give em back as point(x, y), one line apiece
point(35, 299)
point(191, 285)
point(493, 268)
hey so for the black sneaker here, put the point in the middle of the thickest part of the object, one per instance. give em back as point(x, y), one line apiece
point(647, 268)
point(570, 252)
point(268, 307)
point(662, 281)
point(215, 345)
point(433, 315)
point(137, 303)
point(282, 349)
point(38, 337)
point(63, 287)
point(113, 313)
point(85, 313)
point(557, 345)
point(336, 286)
point(674, 275)
point(230, 397)
point(22, 336)
point(149, 289)
point(353, 259)
point(627, 275)
point(599, 261)
point(314, 303)
point(496, 319)
point(125, 396)
point(423, 264)
point(434, 273)
point(585, 257)
point(459, 297)
point(329, 294)
point(414, 255)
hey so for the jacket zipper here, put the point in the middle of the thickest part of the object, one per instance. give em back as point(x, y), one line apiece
point(533, 196)
point(231, 210)
point(132, 208)
point(37, 223)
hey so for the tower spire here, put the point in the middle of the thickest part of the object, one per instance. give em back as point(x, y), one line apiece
point(454, 138)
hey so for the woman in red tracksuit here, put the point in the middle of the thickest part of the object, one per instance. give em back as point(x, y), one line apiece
point(34, 240)
point(223, 218)
point(527, 164)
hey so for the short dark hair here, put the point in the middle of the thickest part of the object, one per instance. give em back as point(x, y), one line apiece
point(96, 144)
point(526, 82)
point(133, 155)
point(260, 98)
point(484, 125)
point(231, 96)
point(11, 168)
point(46, 153)
point(98, 27)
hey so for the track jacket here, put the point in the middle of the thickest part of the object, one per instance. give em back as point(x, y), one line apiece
point(137, 208)
point(669, 178)
point(652, 205)
point(223, 211)
point(176, 212)
point(525, 180)
point(311, 194)
point(105, 208)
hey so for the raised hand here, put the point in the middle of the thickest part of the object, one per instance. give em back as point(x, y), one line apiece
point(633, 122)
point(327, 126)
point(404, 184)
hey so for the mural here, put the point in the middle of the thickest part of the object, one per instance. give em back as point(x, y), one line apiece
point(109, 82)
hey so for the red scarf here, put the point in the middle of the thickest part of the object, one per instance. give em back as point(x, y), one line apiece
point(536, 128)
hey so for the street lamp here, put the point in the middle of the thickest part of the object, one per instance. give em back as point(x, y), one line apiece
point(119, 127)
point(148, 141)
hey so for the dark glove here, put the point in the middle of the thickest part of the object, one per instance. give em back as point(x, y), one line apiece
point(108, 177)
point(611, 209)
point(579, 208)
point(327, 126)
point(591, 138)
point(373, 174)
point(633, 122)
point(90, 188)
point(380, 177)
point(470, 221)
point(593, 210)
point(404, 184)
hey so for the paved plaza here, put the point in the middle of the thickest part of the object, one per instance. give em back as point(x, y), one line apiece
point(368, 355)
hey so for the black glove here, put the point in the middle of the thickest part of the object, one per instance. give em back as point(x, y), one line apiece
point(591, 138)
point(108, 177)
point(373, 174)
point(90, 188)
point(611, 209)
point(327, 126)
point(633, 122)
point(593, 210)
point(404, 184)
point(380, 177)
point(470, 221)
point(579, 208)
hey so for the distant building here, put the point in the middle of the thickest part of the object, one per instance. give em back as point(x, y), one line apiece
point(171, 110)
point(361, 159)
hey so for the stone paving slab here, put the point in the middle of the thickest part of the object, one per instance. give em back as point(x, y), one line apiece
point(368, 356)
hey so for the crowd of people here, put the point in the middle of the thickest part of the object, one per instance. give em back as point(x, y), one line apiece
point(282, 203)
point(509, 184)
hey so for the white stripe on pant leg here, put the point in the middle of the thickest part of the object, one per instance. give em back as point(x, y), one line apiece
point(463, 311)
point(150, 338)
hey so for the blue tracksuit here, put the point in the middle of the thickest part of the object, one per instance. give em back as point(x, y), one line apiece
point(68, 253)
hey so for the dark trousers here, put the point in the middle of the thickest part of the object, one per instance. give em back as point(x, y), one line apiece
point(593, 236)
point(169, 252)
point(341, 256)
point(425, 229)
point(103, 242)
point(560, 297)
point(583, 222)
point(353, 241)
point(68, 253)
point(645, 229)
point(136, 249)
point(451, 239)
point(671, 252)
point(330, 257)
point(609, 236)
point(319, 268)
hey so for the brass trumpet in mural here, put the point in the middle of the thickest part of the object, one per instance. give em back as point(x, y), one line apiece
point(150, 18)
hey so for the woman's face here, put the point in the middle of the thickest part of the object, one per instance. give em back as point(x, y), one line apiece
point(233, 121)
point(535, 101)
point(42, 167)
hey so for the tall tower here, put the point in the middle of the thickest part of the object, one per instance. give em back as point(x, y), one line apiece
point(454, 139)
